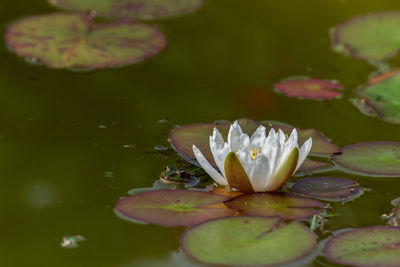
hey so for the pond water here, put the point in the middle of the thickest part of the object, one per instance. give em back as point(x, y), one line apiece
point(72, 143)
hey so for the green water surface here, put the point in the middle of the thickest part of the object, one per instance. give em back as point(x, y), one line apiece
point(63, 132)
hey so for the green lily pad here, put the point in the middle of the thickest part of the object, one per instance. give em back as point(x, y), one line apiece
point(382, 97)
point(309, 88)
point(173, 207)
point(328, 188)
point(373, 158)
point(138, 9)
point(286, 206)
point(183, 138)
point(370, 246)
point(312, 166)
point(372, 37)
point(74, 41)
point(247, 241)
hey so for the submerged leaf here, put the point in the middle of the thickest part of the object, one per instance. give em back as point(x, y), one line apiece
point(309, 88)
point(138, 9)
point(370, 246)
point(73, 41)
point(286, 206)
point(247, 241)
point(373, 158)
point(173, 207)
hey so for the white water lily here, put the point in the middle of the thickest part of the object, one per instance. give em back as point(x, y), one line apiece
point(258, 163)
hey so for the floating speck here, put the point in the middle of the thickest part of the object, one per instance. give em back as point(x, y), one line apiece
point(103, 126)
point(161, 148)
point(72, 241)
point(129, 146)
point(109, 174)
point(163, 120)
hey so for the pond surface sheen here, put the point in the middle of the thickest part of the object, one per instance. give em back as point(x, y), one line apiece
point(62, 132)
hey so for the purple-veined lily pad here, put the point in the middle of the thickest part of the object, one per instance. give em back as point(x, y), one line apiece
point(328, 188)
point(381, 97)
point(309, 88)
point(396, 213)
point(75, 41)
point(173, 207)
point(247, 241)
point(312, 165)
point(183, 138)
point(138, 9)
point(286, 206)
point(371, 158)
point(372, 37)
point(370, 246)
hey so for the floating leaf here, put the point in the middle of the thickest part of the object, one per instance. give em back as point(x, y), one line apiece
point(74, 41)
point(138, 9)
point(370, 246)
point(312, 165)
point(183, 138)
point(247, 241)
point(309, 88)
point(396, 213)
point(286, 206)
point(373, 158)
point(329, 188)
point(173, 207)
point(372, 37)
point(382, 97)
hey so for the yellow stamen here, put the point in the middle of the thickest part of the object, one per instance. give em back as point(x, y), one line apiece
point(253, 156)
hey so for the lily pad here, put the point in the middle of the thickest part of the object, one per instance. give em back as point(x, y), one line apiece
point(396, 213)
point(309, 88)
point(138, 9)
point(383, 97)
point(247, 241)
point(373, 158)
point(370, 246)
point(183, 138)
point(173, 207)
point(328, 188)
point(75, 41)
point(286, 206)
point(372, 37)
point(312, 165)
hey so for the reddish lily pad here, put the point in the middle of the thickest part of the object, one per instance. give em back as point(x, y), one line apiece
point(370, 246)
point(328, 188)
point(286, 206)
point(373, 158)
point(247, 241)
point(372, 37)
point(382, 97)
point(309, 88)
point(173, 207)
point(183, 138)
point(312, 166)
point(75, 41)
point(138, 9)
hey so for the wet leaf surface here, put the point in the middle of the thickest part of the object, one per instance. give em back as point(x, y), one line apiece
point(327, 188)
point(247, 241)
point(372, 159)
point(370, 246)
point(286, 206)
point(138, 9)
point(183, 138)
point(173, 207)
point(372, 37)
point(73, 41)
point(309, 88)
point(383, 97)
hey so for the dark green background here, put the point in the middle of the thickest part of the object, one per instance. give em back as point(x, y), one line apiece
point(53, 155)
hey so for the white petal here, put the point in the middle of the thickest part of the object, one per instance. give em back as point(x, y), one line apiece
point(271, 136)
point(208, 168)
point(303, 152)
point(235, 132)
point(281, 137)
point(244, 157)
point(258, 137)
point(219, 150)
point(259, 173)
point(273, 152)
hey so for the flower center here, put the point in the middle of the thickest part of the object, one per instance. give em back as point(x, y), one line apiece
point(255, 153)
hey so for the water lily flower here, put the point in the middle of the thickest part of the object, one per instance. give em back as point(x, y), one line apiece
point(258, 163)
